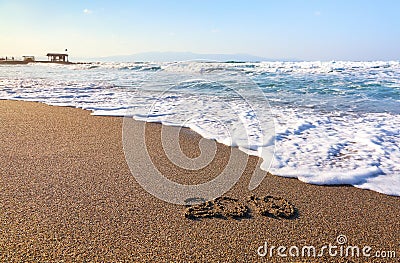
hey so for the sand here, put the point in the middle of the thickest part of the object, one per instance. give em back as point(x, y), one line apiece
point(67, 195)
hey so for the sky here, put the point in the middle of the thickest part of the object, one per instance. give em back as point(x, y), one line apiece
point(284, 29)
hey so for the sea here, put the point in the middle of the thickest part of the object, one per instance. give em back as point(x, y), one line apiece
point(327, 123)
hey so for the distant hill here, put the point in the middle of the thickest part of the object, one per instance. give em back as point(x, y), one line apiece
point(180, 56)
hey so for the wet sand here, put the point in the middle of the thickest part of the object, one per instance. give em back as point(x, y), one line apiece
point(67, 195)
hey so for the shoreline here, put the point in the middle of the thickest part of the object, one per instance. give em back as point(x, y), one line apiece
point(67, 194)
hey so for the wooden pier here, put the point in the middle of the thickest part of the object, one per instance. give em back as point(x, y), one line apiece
point(59, 58)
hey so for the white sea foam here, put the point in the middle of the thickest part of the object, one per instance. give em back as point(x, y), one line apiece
point(335, 122)
point(344, 149)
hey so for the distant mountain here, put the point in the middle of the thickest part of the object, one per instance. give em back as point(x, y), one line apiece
point(180, 56)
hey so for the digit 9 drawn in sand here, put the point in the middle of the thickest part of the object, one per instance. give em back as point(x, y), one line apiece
point(225, 106)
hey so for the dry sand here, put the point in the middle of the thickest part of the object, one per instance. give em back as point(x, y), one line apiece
point(67, 195)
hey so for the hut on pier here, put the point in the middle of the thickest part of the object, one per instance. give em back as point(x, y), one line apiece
point(57, 57)
point(28, 58)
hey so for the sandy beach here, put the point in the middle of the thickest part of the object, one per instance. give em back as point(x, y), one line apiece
point(67, 195)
